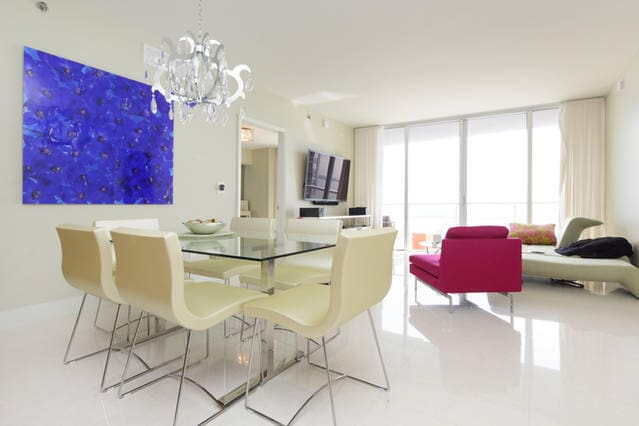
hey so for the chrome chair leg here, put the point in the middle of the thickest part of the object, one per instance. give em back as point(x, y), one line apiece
point(97, 312)
point(379, 350)
point(227, 282)
point(128, 325)
point(328, 376)
point(75, 326)
point(257, 333)
point(108, 357)
point(208, 342)
point(259, 348)
point(128, 358)
point(186, 357)
point(256, 328)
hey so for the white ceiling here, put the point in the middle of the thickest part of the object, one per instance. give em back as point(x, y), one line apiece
point(379, 61)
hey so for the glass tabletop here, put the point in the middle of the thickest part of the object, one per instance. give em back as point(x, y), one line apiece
point(251, 248)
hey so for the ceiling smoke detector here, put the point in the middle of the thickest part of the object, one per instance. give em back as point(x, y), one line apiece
point(42, 6)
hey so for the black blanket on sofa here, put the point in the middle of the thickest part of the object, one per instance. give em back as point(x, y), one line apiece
point(598, 248)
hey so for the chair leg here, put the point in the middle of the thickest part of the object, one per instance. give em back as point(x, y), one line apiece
point(328, 376)
point(128, 358)
point(128, 325)
point(227, 282)
point(97, 312)
point(75, 326)
point(259, 348)
point(208, 342)
point(108, 357)
point(379, 350)
point(186, 356)
point(256, 327)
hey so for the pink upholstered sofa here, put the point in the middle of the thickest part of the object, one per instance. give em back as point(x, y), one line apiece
point(473, 259)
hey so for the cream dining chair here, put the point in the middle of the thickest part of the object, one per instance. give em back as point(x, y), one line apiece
point(109, 224)
point(87, 266)
point(150, 276)
point(225, 268)
point(313, 267)
point(361, 278)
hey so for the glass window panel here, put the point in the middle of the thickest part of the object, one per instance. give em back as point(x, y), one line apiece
point(545, 166)
point(393, 178)
point(433, 182)
point(497, 170)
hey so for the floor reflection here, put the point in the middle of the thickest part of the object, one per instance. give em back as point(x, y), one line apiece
point(477, 350)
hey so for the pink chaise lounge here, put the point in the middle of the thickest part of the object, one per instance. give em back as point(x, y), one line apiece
point(473, 259)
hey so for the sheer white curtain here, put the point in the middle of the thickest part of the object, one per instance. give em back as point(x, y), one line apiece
point(583, 160)
point(366, 193)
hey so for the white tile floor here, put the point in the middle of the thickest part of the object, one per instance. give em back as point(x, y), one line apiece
point(569, 357)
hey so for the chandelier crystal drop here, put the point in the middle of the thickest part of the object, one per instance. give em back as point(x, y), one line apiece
point(194, 73)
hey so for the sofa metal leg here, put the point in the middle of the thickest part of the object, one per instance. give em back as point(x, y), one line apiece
point(569, 283)
point(436, 290)
point(512, 300)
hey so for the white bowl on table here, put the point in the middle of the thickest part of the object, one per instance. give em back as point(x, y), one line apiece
point(204, 227)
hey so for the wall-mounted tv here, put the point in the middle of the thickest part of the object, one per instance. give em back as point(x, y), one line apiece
point(326, 179)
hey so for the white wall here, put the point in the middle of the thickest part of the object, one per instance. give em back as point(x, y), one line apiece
point(204, 154)
point(622, 159)
point(259, 182)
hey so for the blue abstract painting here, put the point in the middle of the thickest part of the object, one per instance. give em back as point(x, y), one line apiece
point(89, 136)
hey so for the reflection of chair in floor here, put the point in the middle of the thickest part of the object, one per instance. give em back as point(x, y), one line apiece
point(486, 359)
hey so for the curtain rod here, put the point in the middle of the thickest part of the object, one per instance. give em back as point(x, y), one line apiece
point(540, 107)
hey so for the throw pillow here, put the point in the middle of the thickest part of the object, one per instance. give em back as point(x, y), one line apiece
point(534, 234)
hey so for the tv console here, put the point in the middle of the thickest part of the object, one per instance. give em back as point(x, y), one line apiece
point(351, 221)
point(325, 203)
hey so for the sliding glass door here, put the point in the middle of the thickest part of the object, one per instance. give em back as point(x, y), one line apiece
point(545, 166)
point(394, 182)
point(497, 170)
point(489, 170)
point(433, 181)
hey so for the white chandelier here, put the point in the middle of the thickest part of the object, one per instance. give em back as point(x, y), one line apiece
point(194, 72)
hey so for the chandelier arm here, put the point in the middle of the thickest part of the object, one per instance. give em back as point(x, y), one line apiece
point(235, 73)
point(194, 71)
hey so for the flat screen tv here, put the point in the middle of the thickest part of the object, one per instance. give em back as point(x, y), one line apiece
point(326, 179)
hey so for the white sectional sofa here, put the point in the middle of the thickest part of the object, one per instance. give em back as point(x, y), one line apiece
point(543, 261)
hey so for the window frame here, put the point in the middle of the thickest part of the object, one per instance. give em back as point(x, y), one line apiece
point(463, 157)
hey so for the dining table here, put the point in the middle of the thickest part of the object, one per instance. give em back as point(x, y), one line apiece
point(265, 252)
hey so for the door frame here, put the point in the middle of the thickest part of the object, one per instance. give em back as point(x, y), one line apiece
point(280, 190)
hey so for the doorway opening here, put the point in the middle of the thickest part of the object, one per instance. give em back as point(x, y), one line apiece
point(258, 171)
